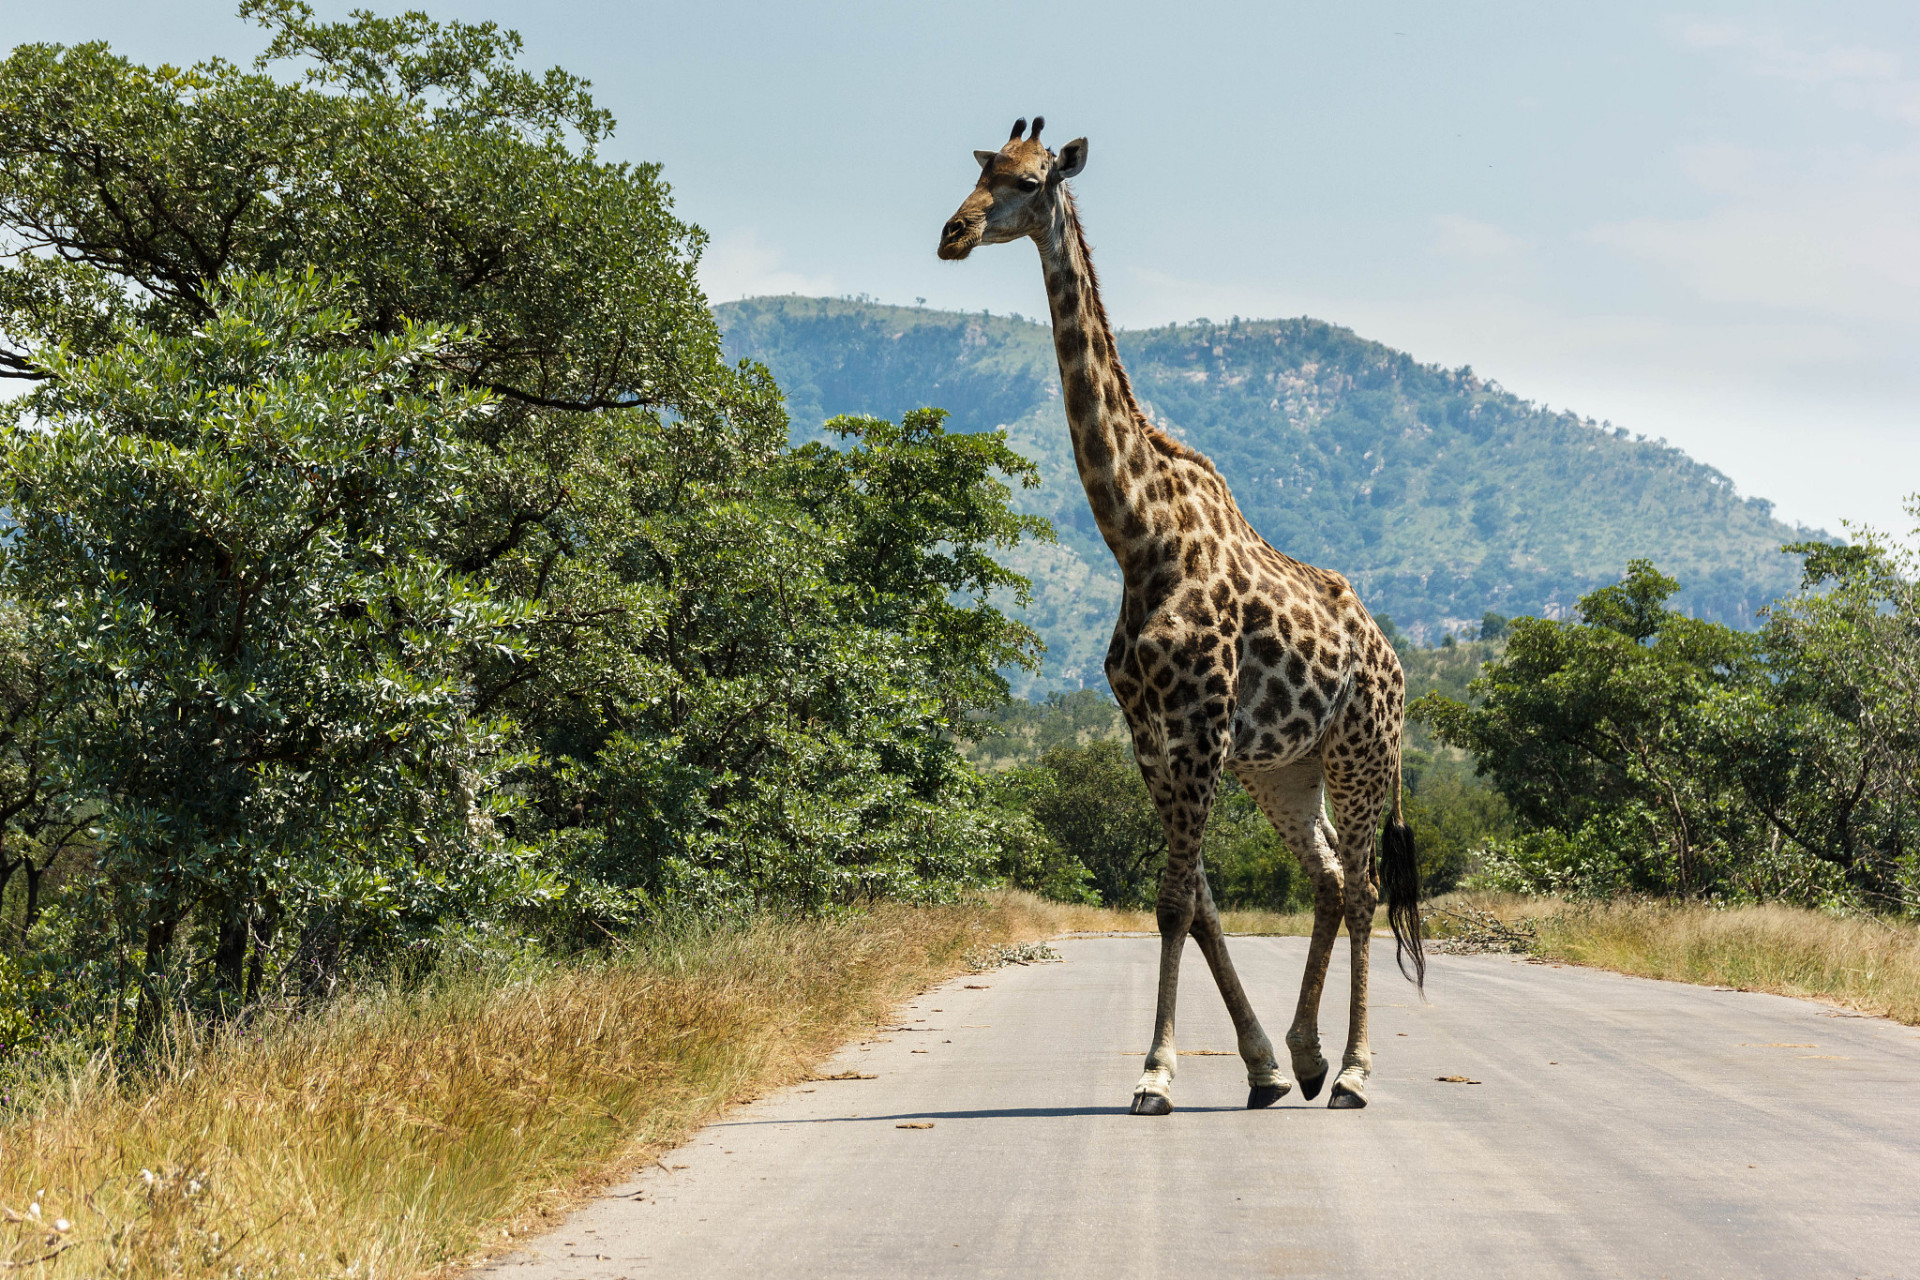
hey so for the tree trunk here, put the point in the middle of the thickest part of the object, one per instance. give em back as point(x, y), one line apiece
point(262, 943)
point(230, 953)
point(146, 1019)
point(316, 961)
point(33, 895)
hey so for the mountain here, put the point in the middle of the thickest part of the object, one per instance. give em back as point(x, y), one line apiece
point(1437, 493)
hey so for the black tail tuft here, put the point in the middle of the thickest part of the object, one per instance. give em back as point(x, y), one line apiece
point(1400, 879)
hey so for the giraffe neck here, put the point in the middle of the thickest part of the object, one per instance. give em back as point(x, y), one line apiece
point(1110, 445)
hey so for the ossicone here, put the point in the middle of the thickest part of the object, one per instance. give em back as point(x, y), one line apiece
point(1039, 123)
point(1019, 127)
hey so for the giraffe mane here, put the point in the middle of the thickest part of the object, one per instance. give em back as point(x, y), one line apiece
point(1163, 444)
point(1168, 447)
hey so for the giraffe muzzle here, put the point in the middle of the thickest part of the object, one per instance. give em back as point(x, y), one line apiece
point(958, 238)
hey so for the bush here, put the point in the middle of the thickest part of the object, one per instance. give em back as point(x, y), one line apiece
point(226, 536)
point(1644, 751)
point(413, 560)
point(1092, 804)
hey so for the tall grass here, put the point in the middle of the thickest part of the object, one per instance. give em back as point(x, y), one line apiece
point(398, 1131)
point(1859, 961)
point(1074, 918)
point(1863, 962)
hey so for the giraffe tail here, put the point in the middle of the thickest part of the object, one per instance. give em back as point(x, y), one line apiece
point(1400, 880)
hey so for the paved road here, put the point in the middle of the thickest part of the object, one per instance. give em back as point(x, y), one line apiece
point(1623, 1128)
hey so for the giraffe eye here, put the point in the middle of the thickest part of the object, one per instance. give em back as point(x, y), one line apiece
point(1029, 184)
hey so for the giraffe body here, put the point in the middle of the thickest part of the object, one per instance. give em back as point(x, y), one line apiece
point(1227, 655)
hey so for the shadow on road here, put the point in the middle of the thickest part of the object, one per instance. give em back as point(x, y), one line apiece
point(1006, 1113)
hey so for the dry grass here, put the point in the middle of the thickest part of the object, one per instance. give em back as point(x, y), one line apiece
point(1296, 924)
point(1859, 961)
point(399, 1133)
point(1069, 918)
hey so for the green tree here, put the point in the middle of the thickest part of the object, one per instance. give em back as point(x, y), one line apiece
point(921, 513)
point(441, 184)
point(1593, 731)
point(738, 672)
point(1091, 801)
point(226, 535)
point(817, 638)
point(1827, 749)
point(1642, 750)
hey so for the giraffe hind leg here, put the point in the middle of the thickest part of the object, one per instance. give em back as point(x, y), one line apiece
point(1358, 796)
point(1291, 798)
point(1303, 1037)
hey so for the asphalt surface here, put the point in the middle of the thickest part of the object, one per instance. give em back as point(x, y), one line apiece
point(1620, 1127)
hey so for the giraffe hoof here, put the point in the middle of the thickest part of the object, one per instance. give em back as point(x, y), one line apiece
point(1344, 1098)
point(1152, 1104)
point(1265, 1095)
point(1310, 1085)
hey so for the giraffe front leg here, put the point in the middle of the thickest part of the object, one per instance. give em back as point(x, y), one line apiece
point(1181, 779)
point(1266, 1083)
point(1153, 1096)
point(1356, 1065)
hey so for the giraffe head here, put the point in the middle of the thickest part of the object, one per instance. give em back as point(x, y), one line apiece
point(1015, 194)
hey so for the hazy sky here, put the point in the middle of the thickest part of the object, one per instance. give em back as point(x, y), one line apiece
point(1699, 221)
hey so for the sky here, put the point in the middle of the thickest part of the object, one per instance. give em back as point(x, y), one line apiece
point(1700, 222)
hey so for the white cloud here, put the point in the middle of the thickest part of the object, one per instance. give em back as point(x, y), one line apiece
point(1856, 75)
point(1834, 230)
point(738, 265)
point(1458, 237)
point(1851, 252)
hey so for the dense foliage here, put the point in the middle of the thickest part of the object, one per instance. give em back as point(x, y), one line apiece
point(398, 556)
point(1440, 495)
point(1454, 814)
point(1642, 750)
point(1101, 839)
point(225, 539)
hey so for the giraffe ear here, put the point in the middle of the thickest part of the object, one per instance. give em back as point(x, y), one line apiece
point(985, 157)
point(1072, 159)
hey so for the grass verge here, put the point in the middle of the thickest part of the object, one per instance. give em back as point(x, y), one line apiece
point(1862, 962)
point(400, 1132)
point(1073, 918)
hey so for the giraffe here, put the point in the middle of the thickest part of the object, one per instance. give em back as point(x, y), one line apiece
point(1227, 655)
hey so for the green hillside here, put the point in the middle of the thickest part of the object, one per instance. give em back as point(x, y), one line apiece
point(1439, 494)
